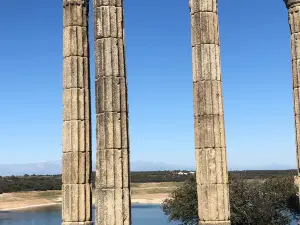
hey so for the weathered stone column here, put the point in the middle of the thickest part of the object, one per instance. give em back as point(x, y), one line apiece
point(293, 7)
point(112, 172)
point(76, 160)
point(211, 160)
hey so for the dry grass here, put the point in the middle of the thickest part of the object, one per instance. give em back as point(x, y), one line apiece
point(25, 199)
point(141, 193)
point(153, 188)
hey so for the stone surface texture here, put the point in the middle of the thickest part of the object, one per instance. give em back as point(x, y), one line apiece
point(291, 3)
point(210, 145)
point(294, 21)
point(76, 143)
point(112, 166)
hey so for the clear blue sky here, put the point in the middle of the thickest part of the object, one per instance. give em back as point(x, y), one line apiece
point(256, 70)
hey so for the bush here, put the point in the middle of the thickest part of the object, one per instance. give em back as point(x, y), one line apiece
point(271, 201)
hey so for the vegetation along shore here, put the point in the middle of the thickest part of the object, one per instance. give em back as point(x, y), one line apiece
point(29, 191)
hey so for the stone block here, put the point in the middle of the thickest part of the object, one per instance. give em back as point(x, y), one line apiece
point(76, 168)
point(206, 62)
point(108, 94)
point(211, 166)
point(295, 46)
point(76, 72)
point(77, 223)
point(296, 73)
point(75, 13)
point(117, 3)
point(76, 202)
point(207, 98)
point(74, 104)
point(75, 41)
point(109, 57)
point(297, 129)
point(294, 19)
point(112, 169)
point(108, 22)
point(296, 94)
point(205, 28)
point(76, 136)
point(213, 202)
point(111, 130)
point(209, 131)
point(111, 94)
point(292, 3)
point(113, 206)
point(203, 6)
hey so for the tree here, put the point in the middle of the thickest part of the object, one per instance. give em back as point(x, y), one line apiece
point(271, 201)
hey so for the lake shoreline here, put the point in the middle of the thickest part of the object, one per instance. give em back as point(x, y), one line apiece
point(45, 205)
point(141, 193)
point(21, 208)
point(141, 214)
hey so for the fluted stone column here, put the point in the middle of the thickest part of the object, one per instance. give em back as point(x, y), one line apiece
point(112, 168)
point(76, 160)
point(294, 21)
point(211, 160)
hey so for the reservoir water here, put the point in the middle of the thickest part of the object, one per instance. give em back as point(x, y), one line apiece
point(141, 215)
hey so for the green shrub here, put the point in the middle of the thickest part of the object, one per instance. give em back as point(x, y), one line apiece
point(271, 201)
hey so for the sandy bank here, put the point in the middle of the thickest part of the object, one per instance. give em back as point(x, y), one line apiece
point(29, 207)
point(142, 193)
point(14, 201)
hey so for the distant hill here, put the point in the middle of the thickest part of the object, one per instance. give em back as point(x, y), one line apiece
point(157, 166)
point(54, 167)
point(40, 168)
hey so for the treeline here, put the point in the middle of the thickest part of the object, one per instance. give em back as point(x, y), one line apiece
point(53, 182)
point(30, 183)
point(262, 174)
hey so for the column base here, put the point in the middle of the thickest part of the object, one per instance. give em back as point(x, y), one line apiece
point(214, 222)
point(78, 223)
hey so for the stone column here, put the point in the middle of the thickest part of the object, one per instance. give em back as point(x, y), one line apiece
point(293, 7)
point(112, 168)
point(211, 160)
point(76, 144)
